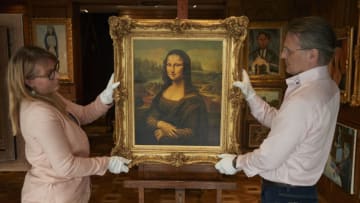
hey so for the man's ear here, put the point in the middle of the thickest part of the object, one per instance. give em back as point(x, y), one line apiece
point(314, 56)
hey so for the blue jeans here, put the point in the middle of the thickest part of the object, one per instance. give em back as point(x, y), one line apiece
point(281, 193)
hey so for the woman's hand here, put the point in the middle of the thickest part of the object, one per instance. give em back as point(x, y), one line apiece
point(167, 128)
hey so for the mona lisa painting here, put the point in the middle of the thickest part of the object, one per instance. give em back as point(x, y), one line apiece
point(175, 104)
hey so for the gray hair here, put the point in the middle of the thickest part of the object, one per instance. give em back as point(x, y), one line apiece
point(315, 33)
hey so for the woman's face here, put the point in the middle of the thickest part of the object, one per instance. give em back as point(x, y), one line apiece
point(175, 67)
point(46, 79)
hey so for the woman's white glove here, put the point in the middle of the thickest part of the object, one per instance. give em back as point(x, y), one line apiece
point(225, 165)
point(245, 86)
point(118, 164)
point(106, 96)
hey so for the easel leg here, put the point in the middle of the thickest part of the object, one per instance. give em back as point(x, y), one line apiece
point(180, 195)
point(218, 196)
point(141, 195)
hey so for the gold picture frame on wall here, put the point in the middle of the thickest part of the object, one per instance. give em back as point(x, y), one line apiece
point(340, 67)
point(55, 35)
point(263, 50)
point(214, 48)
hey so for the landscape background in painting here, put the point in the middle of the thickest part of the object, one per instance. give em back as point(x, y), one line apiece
point(206, 62)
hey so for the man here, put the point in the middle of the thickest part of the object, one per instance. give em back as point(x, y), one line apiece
point(292, 157)
point(263, 60)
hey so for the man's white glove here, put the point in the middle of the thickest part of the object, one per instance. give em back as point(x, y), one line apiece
point(225, 165)
point(245, 86)
point(118, 164)
point(106, 96)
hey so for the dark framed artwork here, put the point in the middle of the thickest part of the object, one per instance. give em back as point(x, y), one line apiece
point(340, 167)
point(263, 49)
point(176, 104)
point(256, 133)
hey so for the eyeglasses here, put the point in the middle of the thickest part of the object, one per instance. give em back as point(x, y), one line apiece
point(290, 52)
point(51, 74)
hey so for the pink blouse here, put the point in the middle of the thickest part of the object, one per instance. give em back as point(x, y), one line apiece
point(58, 150)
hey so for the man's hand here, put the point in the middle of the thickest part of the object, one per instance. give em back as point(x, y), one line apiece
point(225, 165)
point(245, 86)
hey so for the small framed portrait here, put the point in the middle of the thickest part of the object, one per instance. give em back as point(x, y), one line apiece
point(176, 104)
point(263, 50)
point(55, 35)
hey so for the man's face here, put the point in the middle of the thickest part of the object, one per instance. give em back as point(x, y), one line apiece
point(263, 41)
point(296, 59)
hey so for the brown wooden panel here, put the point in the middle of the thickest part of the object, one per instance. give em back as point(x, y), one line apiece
point(7, 146)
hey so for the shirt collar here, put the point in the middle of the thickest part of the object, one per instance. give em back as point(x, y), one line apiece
point(312, 74)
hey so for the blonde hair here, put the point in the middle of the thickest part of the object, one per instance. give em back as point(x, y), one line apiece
point(21, 67)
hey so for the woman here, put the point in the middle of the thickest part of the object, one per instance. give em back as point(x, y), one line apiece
point(55, 145)
point(178, 114)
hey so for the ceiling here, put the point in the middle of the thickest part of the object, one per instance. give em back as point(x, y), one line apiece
point(116, 5)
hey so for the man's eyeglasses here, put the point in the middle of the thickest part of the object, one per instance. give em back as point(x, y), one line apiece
point(51, 74)
point(289, 52)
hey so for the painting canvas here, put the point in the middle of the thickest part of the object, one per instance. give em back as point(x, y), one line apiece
point(206, 75)
point(176, 103)
point(340, 167)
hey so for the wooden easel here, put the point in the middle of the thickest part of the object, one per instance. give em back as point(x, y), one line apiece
point(158, 176)
point(180, 186)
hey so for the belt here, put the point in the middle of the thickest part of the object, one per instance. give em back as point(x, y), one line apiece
point(284, 185)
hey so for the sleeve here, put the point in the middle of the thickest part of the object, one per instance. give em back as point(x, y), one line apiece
point(88, 113)
point(47, 129)
point(262, 111)
point(286, 131)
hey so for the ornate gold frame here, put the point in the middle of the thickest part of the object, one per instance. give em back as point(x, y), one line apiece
point(63, 28)
point(123, 30)
point(341, 65)
point(355, 98)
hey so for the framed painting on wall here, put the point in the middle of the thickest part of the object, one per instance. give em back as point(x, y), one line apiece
point(55, 35)
point(272, 95)
point(256, 133)
point(176, 104)
point(263, 49)
point(340, 167)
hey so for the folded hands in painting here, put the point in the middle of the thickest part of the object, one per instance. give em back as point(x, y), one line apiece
point(165, 129)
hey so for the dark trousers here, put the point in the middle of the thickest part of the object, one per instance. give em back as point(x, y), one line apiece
point(282, 193)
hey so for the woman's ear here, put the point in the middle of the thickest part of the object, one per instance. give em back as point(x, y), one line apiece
point(29, 83)
point(314, 56)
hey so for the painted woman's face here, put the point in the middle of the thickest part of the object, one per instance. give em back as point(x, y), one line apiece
point(175, 67)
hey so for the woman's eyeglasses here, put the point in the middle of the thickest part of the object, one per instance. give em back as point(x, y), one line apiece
point(51, 74)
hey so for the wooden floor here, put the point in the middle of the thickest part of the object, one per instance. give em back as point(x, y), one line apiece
point(109, 188)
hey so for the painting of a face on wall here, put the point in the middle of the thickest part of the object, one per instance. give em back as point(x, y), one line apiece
point(264, 51)
point(177, 87)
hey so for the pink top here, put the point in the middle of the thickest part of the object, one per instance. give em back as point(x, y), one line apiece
point(298, 145)
point(58, 150)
